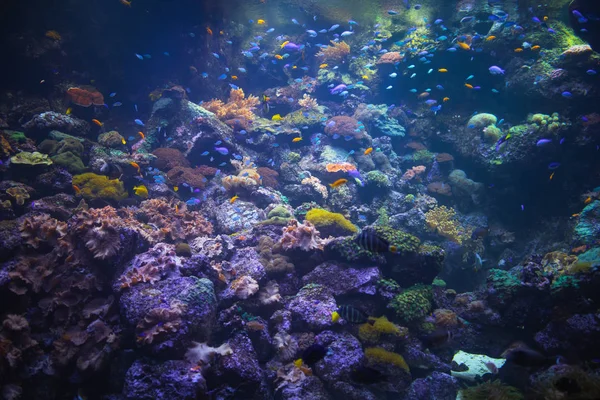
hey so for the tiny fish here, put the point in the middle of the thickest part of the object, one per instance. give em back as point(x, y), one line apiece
point(567, 95)
point(117, 104)
point(139, 122)
point(543, 142)
point(222, 150)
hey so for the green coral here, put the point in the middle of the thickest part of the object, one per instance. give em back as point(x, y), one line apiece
point(383, 218)
point(330, 222)
point(493, 390)
point(378, 179)
point(70, 161)
point(413, 304)
point(35, 158)
point(279, 215)
point(293, 157)
point(70, 145)
point(491, 134)
point(482, 120)
point(95, 186)
point(201, 291)
point(422, 157)
point(304, 118)
point(503, 282)
point(183, 250)
point(564, 282)
point(587, 229)
point(16, 136)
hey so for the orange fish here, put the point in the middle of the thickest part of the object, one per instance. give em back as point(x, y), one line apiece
point(518, 50)
point(546, 18)
point(442, 70)
point(77, 189)
point(95, 121)
point(125, 3)
point(579, 249)
point(535, 48)
point(468, 85)
point(296, 139)
point(337, 183)
point(279, 57)
point(574, 215)
point(552, 175)
point(176, 208)
point(209, 31)
point(233, 199)
point(490, 38)
point(53, 35)
point(368, 151)
point(136, 166)
point(142, 135)
point(464, 46)
point(234, 77)
point(445, 99)
point(588, 200)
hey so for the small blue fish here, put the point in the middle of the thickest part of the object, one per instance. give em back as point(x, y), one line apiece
point(113, 94)
point(271, 30)
point(567, 95)
point(139, 56)
point(139, 122)
point(392, 12)
point(222, 77)
point(117, 104)
point(222, 150)
point(295, 21)
point(204, 153)
point(215, 55)
point(334, 27)
point(591, 72)
point(205, 74)
point(166, 53)
point(470, 77)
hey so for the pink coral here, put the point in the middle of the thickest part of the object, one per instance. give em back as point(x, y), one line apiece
point(300, 236)
point(391, 57)
point(414, 172)
point(344, 126)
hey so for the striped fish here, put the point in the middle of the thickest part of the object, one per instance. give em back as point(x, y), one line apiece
point(370, 241)
point(352, 315)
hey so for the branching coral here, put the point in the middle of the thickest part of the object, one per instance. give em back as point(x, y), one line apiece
point(244, 287)
point(308, 103)
point(202, 354)
point(335, 53)
point(316, 184)
point(238, 106)
point(300, 236)
point(443, 221)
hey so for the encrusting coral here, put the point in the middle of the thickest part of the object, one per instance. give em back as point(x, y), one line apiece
point(378, 355)
point(237, 106)
point(330, 222)
point(93, 186)
point(443, 221)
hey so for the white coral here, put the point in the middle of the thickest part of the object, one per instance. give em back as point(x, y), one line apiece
point(285, 345)
point(244, 287)
point(270, 294)
point(202, 354)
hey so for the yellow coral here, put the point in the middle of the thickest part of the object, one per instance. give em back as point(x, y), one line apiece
point(443, 221)
point(238, 106)
point(334, 53)
point(326, 219)
point(95, 186)
point(382, 356)
point(372, 330)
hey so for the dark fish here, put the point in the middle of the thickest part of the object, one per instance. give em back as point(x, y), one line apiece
point(479, 233)
point(352, 315)
point(437, 338)
point(367, 375)
point(314, 353)
point(372, 242)
point(520, 354)
point(265, 104)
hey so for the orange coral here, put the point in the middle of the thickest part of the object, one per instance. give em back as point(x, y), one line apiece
point(238, 106)
point(308, 102)
point(415, 146)
point(445, 318)
point(440, 188)
point(85, 96)
point(391, 57)
point(344, 166)
point(334, 53)
point(148, 273)
point(444, 157)
point(159, 321)
point(414, 172)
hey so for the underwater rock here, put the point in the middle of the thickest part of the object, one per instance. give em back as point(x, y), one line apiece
point(238, 216)
point(169, 380)
point(59, 206)
point(437, 386)
point(312, 307)
point(588, 227)
point(344, 280)
point(50, 120)
point(245, 261)
point(344, 354)
point(576, 335)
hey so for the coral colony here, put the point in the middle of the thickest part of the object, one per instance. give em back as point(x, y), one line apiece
point(269, 200)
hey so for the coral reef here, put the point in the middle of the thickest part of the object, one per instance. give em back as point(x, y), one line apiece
point(237, 106)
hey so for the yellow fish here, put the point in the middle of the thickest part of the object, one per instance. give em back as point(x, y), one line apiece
point(337, 183)
point(323, 66)
point(546, 18)
point(588, 200)
point(53, 35)
point(518, 50)
point(464, 46)
point(175, 188)
point(69, 111)
point(552, 175)
point(468, 86)
point(276, 117)
point(365, 77)
point(141, 191)
point(284, 43)
point(234, 77)
point(233, 199)
point(335, 317)
point(298, 363)
point(296, 139)
point(123, 141)
point(489, 38)
point(368, 151)
point(445, 99)
point(260, 22)
point(442, 70)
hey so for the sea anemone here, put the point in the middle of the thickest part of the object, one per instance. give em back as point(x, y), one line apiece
point(285, 345)
point(269, 294)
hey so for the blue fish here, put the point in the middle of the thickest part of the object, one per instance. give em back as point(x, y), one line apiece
point(139, 122)
point(117, 104)
point(205, 75)
point(141, 57)
point(215, 55)
point(392, 12)
point(222, 76)
point(567, 95)
point(204, 153)
point(222, 150)
point(113, 94)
